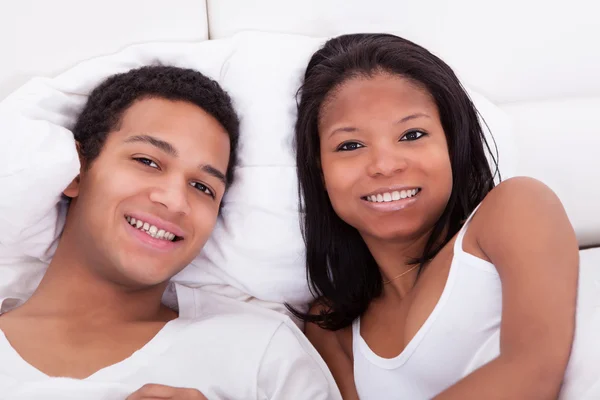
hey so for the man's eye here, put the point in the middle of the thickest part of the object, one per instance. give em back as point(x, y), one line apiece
point(349, 146)
point(412, 135)
point(203, 188)
point(147, 161)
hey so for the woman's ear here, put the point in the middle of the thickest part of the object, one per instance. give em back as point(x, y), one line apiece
point(72, 190)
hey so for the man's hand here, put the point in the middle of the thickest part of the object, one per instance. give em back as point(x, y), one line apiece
point(161, 392)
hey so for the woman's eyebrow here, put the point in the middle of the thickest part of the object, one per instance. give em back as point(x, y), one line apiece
point(412, 116)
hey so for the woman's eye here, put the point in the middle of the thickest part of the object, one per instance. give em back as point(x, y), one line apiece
point(202, 188)
point(349, 146)
point(147, 161)
point(412, 135)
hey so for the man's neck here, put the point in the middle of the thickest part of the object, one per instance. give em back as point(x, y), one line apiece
point(73, 290)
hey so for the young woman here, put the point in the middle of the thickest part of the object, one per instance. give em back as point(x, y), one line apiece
point(432, 282)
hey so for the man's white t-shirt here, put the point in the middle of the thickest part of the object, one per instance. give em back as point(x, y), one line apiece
point(224, 348)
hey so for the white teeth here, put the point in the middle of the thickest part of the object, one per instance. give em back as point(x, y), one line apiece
point(392, 196)
point(151, 230)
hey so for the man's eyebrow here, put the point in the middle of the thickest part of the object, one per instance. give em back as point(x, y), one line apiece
point(209, 169)
point(172, 151)
point(158, 143)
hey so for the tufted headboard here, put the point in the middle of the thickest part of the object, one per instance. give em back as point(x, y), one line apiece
point(539, 61)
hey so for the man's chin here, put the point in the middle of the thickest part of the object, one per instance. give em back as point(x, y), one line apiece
point(144, 271)
point(142, 279)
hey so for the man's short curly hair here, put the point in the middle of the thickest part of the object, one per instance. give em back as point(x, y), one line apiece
point(108, 102)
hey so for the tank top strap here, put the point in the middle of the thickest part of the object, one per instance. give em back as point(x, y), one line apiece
point(355, 334)
point(458, 247)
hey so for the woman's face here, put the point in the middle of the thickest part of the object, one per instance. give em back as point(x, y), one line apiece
point(384, 157)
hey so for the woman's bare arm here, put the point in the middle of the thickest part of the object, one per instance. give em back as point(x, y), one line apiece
point(524, 231)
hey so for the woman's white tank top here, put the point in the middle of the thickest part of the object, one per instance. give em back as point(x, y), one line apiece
point(461, 334)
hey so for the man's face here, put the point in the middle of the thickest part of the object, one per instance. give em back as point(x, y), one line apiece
point(149, 202)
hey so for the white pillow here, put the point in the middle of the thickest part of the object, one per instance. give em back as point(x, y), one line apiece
point(256, 250)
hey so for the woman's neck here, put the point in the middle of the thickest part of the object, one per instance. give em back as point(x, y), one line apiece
point(396, 261)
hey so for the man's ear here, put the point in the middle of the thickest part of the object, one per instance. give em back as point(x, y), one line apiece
point(72, 190)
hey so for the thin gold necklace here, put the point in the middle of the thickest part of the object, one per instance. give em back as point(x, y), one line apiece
point(401, 275)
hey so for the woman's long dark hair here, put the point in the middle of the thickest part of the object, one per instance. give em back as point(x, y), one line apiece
point(341, 270)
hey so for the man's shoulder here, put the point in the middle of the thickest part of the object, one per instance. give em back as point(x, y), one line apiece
point(238, 321)
point(268, 332)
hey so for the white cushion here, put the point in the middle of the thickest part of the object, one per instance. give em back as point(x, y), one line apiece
point(558, 143)
point(41, 37)
point(509, 50)
point(581, 378)
point(257, 248)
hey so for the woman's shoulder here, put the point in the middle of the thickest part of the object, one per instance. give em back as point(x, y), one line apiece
point(513, 199)
point(519, 188)
point(516, 212)
point(335, 347)
point(512, 204)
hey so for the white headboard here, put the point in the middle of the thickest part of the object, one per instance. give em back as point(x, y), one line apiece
point(538, 60)
point(510, 50)
point(44, 37)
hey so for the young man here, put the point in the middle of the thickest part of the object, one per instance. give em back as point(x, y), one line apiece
point(157, 148)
